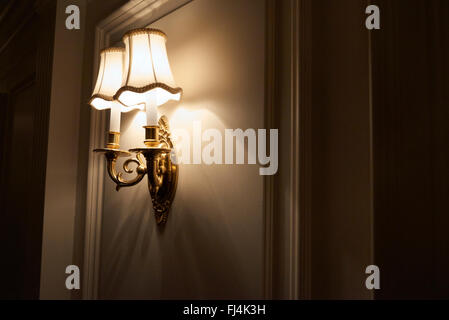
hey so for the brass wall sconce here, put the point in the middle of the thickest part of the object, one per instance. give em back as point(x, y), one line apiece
point(136, 77)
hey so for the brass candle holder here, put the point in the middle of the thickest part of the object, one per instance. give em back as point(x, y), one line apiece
point(158, 165)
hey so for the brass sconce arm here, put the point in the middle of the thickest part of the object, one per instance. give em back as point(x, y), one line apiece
point(111, 156)
point(162, 172)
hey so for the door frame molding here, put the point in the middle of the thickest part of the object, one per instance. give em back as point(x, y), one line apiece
point(302, 129)
point(288, 107)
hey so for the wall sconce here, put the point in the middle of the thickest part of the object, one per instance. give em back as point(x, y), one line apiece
point(139, 76)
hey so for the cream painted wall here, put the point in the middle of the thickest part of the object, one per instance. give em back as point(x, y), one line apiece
point(62, 157)
point(212, 245)
point(68, 145)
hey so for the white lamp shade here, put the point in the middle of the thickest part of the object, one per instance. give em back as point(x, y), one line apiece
point(109, 80)
point(147, 74)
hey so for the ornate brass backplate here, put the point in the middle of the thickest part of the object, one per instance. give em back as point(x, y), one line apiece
point(161, 170)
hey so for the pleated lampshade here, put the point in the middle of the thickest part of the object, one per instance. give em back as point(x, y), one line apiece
point(147, 74)
point(109, 80)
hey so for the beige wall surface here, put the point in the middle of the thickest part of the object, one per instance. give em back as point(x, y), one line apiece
point(62, 158)
point(212, 245)
point(68, 145)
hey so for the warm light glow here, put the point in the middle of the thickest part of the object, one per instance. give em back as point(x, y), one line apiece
point(101, 104)
point(109, 80)
point(139, 76)
point(147, 75)
point(159, 94)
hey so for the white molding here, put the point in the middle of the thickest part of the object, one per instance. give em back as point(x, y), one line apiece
point(134, 14)
point(300, 152)
point(288, 218)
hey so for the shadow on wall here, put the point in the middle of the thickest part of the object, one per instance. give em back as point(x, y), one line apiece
point(193, 249)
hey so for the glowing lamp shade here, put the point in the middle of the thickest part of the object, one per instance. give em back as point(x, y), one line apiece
point(147, 75)
point(109, 80)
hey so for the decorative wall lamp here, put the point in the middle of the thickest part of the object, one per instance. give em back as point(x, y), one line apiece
point(138, 76)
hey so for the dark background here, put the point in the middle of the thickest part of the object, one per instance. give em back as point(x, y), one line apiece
point(411, 140)
point(26, 51)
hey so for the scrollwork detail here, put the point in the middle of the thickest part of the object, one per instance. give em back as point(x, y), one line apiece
point(117, 177)
point(154, 161)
